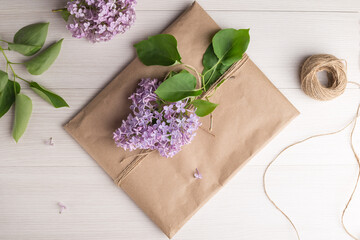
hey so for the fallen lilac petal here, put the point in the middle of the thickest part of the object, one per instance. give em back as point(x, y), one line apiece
point(62, 207)
point(197, 174)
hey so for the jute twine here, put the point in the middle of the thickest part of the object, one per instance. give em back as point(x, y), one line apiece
point(139, 157)
point(313, 88)
point(336, 70)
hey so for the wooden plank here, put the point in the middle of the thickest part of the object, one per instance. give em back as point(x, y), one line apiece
point(313, 196)
point(280, 42)
point(257, 5)
point(310, 182)
point(244, 5)
point(317, 117)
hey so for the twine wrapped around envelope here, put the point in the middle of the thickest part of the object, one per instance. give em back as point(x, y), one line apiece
point(137, 158)
point(311, 85)
point(251, 112)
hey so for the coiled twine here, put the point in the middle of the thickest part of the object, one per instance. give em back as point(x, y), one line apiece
point(312, 87)
point(336, 70)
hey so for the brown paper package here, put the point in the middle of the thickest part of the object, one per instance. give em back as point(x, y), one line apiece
point(251, 112)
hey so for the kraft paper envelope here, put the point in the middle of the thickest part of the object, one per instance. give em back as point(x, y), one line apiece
point(251, 112)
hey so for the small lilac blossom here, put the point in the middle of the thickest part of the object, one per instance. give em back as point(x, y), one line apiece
point(154, 125)
point(62, 207)
point(100, 20)
point(197, 174)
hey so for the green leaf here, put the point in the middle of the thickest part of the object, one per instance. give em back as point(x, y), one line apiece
point(7, 97)
point(223, 68)
point(3, 80)
point(209, 61)
point(214, 74)
point(44, 60)
point(65, 14)
point(209, 57)
point(34, 34)
point(213, 69)
point(48, 96)
point(26, 50)
point(203, 107)
point(30, 39)
point(23, 109)
point(211, 76)
point(178, 87)
point(227, 47)
point(230, 44)
point(171, 74)
point(160, 49)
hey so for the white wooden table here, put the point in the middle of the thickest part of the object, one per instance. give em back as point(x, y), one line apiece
point(310, 182)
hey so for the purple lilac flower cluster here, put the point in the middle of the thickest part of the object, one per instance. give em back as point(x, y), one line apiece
point(100, 20)
point(156, 126)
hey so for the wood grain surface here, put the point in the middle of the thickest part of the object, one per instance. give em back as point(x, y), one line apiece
point(311, 182)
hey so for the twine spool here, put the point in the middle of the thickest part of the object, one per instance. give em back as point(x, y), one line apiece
point(312, 87)
point(337, 79)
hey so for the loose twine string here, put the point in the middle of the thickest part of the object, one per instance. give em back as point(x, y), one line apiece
point(311, 85)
